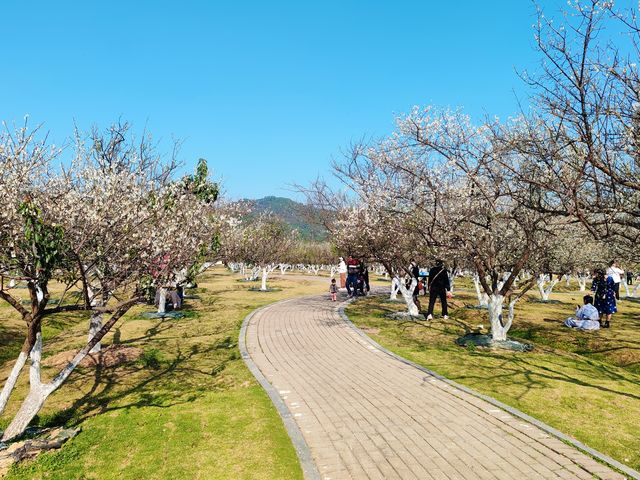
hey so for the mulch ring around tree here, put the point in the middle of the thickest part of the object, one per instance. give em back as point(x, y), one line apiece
point(256, 289)
point(405, 316)
point(486, 341)
point(109, 357)
point(171, 314)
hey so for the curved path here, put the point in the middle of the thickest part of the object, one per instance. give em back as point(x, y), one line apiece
point(366, 414)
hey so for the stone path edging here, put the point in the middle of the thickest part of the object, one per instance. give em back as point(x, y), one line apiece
point(309, 468)
point(543, 426)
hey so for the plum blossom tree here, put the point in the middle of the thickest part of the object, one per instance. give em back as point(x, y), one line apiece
point(32, 247)
point(465, 197)
point(439, 183)
point(584, 131)
point(113, 207)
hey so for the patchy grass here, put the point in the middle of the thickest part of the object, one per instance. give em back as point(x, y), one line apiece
point(586, 384)
point(188, 409)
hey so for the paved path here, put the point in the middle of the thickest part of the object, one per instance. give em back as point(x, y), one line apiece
point(365, 414)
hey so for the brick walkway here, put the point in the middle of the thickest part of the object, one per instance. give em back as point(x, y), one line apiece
point(365, 414)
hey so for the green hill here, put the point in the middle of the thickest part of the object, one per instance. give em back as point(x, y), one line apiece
point(292, 212)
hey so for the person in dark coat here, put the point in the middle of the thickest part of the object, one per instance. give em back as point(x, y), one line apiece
point(605, 297)
point(439, 286)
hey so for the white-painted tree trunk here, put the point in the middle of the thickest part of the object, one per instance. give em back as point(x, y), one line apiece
point(95, 324)
point(162, 300)
point(12, 283)
point(582, 282)
point(395, 286)
point(568, 279)
point(499, 327)
point(407, 295)
point(334, 270)
point(452, 280)
point(38, 391)
point(39, 294)
point(483, 298)
point(12, 380)
point(545, 292)
point(265, 275)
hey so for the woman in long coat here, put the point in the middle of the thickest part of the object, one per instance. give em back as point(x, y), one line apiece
point(605, 297)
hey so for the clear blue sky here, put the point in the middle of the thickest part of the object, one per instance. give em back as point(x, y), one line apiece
point(266, 91)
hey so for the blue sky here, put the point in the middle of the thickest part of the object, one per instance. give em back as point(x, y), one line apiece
point(267, 92)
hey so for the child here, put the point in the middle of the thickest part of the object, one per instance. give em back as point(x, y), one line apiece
point(333, 289)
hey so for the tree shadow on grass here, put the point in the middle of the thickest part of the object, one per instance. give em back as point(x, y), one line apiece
point(158, 384)
point(537, 375)
point(524, 370)
point(162, 387)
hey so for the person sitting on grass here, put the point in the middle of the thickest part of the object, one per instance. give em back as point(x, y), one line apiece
point(587, 316)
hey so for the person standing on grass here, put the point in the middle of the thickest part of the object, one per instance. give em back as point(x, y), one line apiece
point(333, 290)
point(615, 272)
point(605, 297)
point(439, 287)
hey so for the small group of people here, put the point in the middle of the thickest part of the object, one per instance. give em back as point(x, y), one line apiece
point(598, 309)
point(354, 277)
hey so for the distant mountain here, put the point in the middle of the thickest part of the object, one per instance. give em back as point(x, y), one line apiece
point(292, 213)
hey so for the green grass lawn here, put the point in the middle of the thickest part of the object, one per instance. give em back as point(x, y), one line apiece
point(585, 384)
point(188, 409)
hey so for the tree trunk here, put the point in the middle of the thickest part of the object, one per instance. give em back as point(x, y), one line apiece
point(12, 379)
point(38, 393)
point(407, 295)
point(546, 292)
point(395, 286)
point(582, 282)
point(626, 287)
point(483, 298)
point(541, 282)
point(495, 305)
point(265, 274)
point(162, 300)
point(95, 324)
